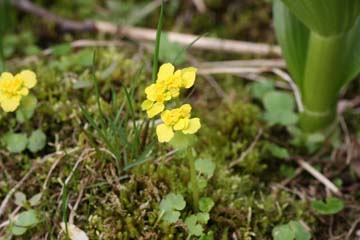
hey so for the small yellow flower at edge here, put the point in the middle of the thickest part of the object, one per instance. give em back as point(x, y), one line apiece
point(13, 88)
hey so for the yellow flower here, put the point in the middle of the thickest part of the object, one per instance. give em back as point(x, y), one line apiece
point(167, 86)
point(13, 88)
point(177, 119)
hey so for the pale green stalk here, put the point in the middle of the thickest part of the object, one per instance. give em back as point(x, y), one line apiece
point(193, 180)
point(320, 84)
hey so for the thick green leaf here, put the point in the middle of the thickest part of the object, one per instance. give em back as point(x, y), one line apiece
point(293, 38)
point(330, 206)
point(326, 17)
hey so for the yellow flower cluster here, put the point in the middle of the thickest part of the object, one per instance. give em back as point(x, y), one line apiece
point(13, 88)
point(167, 86)
point(177, 119)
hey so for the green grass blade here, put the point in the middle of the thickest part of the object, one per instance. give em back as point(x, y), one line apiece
point(97, 92)
point(187, 47)
point(293, 38)
point(157, 44)
point(142, 158)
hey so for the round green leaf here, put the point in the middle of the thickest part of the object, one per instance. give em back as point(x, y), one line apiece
point(37, 141)
point(283, 232)
point(15, 142)
point(206, 204)
point(276, 101)
point(205, 166)
point(329, 206)
point(23, 221)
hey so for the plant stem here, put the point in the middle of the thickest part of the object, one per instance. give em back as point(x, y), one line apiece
point(322, 81)
point(193, 180)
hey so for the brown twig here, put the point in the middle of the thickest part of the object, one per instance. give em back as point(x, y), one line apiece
point(143, 34)
point(319, 176)
point(16, 187)
point(248, 150)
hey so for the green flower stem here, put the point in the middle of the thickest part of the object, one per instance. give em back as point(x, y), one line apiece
point(2, 57)
point(193, 180)
point(322, 81)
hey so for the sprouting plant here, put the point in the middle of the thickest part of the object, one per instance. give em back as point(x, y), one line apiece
point(28, 218)
point(15, 97)
point(177, 123)
point(320, 42)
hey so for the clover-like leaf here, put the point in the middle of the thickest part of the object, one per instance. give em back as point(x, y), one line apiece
point(259, 89)
point(15, 142)
point(279, 108)
point(206, 204)
point(205, 166)
point(23, 221)
point(37, 141)
point(300, 232)
point(194, 228)
point(293, 230)
point(171, 206)
point(330, 206)
point(283, 232)
point(278, 101)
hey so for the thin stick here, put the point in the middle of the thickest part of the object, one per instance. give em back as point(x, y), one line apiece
point(248, 150)
point(261, 63)
point(353, 226)
point(320, 177)
point(143, 34)
point(293, 86)
point(16, 187)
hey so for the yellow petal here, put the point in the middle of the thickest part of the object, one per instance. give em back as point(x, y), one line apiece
point(151, 92)
point(194, 126)
point(155, 109)
point(166, 70)
point(164, 133)
point(174, 92)
point(29, 78)
point(185, 110)
point(24, 91)
point(2, 96)
point(188, 76)
point(182, 124)
point(6, 76)
point(146, 104)
point(10, 104)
